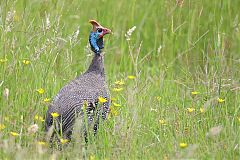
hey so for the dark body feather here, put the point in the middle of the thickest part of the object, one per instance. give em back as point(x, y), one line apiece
point(86, 88)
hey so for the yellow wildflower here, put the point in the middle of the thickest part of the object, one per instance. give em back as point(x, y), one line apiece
point(26, 62)
point(158, 98)
point(36, 117)
point(42, 143)
point(2, 126)
point(39, 118)
point(162, 121)
point(121, 82)
point(131, 77)
point(239, 119)
point(220, 100)
point(16, 17)
point(113, 111)
point(113, 99)
point(102, 100)
point(92, 157)
point(6, 119)
point(40, 90)
point(3, 60)
point(46, 99)
point(202, 110)
point(116, 104)
point(117, 89)
point(63, 141)
point(190, 110)
point(14, 134)
point(194, 93)
point(54, 114)
point(183, 145)
point(166, 157)
point(109, 116)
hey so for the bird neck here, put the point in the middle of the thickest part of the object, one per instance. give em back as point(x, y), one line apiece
point(97, 64)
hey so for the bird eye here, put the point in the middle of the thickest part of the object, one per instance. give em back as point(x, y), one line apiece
point(99, 30)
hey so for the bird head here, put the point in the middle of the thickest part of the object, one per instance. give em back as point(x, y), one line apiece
point(96, 36)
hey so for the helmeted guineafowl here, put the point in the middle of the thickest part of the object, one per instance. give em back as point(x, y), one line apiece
point(85, 89)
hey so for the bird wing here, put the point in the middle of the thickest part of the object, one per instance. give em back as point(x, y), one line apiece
point(70, 99)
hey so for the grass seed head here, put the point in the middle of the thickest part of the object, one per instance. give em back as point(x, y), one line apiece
point(214, 131)
point(129, 33)
point(2, 126)
point(32, 129)
point(6, 93)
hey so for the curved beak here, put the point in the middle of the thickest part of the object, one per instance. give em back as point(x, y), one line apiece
point(106, 31)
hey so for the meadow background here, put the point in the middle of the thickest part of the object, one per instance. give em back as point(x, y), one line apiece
point(182, 103)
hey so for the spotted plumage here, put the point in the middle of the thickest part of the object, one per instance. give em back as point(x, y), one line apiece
point(84, 90)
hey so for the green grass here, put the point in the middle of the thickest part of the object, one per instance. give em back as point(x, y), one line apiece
point(173, 51)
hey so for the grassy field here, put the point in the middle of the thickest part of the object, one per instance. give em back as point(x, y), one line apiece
point(182, 103)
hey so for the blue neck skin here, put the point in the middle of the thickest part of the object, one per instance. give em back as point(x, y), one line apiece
point(95, 42)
